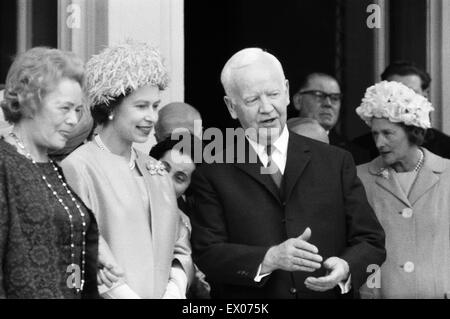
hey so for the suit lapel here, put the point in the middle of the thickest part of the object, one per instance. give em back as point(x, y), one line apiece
point(428, 176)
point(254, 170)
point(424, 182)
point(297, 159)
point(392, 186)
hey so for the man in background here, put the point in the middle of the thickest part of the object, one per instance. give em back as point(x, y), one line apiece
point(319, 97)
point(177, 116)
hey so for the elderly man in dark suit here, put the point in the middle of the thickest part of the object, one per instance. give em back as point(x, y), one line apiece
point(288, 218)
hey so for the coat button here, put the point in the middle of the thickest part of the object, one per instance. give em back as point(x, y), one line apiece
point(408, 266)
point(407, 212)
point(293, 290)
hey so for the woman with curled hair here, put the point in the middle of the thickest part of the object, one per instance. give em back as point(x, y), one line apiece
point(143, 249)
point(48, 238)
point(409, 190)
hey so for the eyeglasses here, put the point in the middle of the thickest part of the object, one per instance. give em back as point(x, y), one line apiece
point(321, 96)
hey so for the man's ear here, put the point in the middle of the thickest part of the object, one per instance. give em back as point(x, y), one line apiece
point(297, 98)
point(287, 91)
point(230, 107)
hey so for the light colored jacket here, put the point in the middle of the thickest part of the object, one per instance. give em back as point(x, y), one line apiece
point(145, 244)
point(417, 230)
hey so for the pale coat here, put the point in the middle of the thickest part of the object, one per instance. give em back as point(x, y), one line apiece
point(417, 244)
point(144, 246)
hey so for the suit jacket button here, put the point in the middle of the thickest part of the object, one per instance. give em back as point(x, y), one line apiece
point(407, 212)
point(408, 266)
point(293, 290)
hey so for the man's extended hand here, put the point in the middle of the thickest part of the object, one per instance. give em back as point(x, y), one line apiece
point(338, 271)
point(294, 254)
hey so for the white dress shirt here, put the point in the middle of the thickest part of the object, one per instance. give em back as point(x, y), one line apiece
point(279, 152)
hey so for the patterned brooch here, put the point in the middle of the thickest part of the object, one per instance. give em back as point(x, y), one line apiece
point(383, 172)
point(156, 168)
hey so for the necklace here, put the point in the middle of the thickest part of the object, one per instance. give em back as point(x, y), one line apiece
point(131, 163)
point(420, 162)
point(69, 214)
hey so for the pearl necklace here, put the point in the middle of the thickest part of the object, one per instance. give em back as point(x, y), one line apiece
point(131, 163)
point(69, 214)
point(420, 162)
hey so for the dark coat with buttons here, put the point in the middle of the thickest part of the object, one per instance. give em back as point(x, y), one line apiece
point(239, 214)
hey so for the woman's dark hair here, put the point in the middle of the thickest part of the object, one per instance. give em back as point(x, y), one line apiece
point(101, 112)
point(185, 142)
point(416, 135)
point(404, 68)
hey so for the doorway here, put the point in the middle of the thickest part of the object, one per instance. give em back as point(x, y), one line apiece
point(42, 20)
point(328, 36)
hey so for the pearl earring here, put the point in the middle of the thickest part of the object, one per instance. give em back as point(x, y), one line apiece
point(111, 117)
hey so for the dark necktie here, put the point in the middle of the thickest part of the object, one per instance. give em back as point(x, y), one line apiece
point(275, 172)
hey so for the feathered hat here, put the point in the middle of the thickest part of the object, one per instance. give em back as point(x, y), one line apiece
point(122, 68)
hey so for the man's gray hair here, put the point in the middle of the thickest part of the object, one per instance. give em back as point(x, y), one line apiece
point(242, 59)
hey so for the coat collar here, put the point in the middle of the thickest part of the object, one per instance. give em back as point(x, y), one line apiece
point(427, 177)
point(297, 159)
point(252, 166)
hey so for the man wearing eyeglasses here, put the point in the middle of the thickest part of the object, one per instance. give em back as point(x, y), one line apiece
point(319, 97)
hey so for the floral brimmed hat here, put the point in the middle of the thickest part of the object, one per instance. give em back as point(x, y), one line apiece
point(397, 103)
point(122, 68)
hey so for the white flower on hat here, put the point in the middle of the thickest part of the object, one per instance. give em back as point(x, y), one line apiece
point(397, 103)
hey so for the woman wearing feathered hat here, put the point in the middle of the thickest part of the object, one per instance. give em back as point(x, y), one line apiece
point(128, 191)
point(409, 189)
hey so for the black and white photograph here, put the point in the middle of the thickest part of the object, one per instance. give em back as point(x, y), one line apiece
point(230, 155)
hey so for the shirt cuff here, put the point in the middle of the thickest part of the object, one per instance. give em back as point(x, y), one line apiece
point(258, 276)
point(346, 286)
